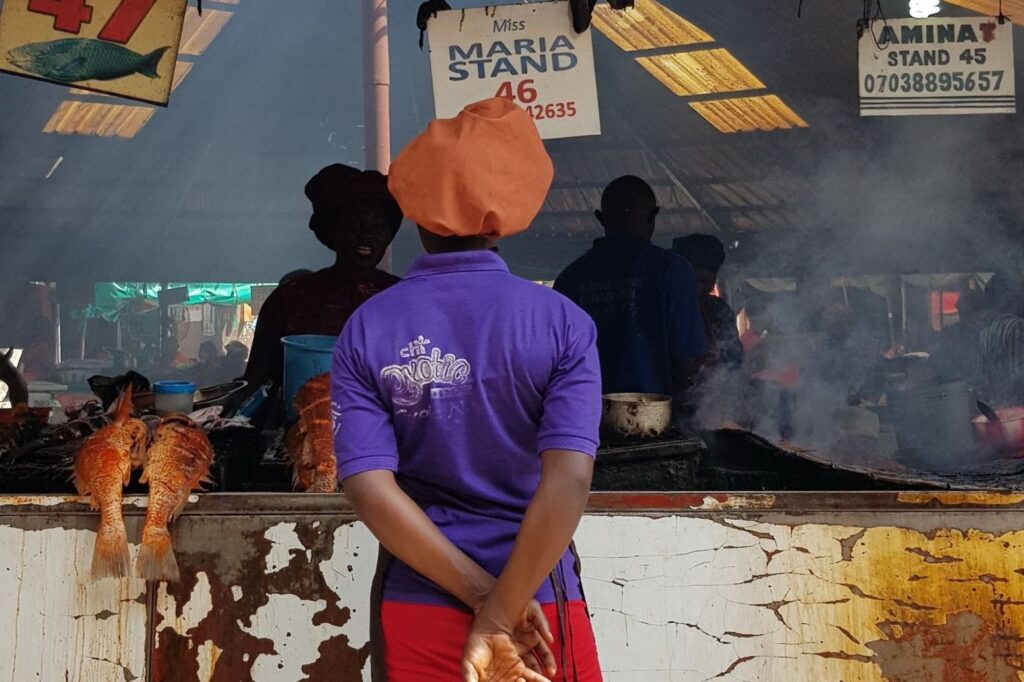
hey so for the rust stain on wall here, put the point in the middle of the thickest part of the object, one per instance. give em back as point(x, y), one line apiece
point(963, 649)
point(966, 499)
point(233, 623)
point(735, 502)
point(946, 608)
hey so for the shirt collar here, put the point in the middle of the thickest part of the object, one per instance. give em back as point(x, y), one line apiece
point(461, 261)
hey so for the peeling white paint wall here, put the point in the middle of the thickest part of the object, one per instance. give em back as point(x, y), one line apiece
point(208, 653)
point(674, 599)
point(58, 626)
point(349, 574)
point(198, 607)
point(284, 542)
point(287, 621)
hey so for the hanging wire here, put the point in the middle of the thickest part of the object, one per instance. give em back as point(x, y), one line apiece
point(873, 12)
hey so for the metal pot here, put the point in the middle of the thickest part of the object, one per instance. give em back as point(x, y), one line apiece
point(636, 415)
point(1006, 434)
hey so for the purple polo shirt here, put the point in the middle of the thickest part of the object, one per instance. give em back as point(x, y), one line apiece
point(457, 378)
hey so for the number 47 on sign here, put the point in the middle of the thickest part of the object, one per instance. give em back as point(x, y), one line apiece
point(69, 15)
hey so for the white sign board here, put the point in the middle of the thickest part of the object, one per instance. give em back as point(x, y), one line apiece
point(913, 67)
point(526, 52)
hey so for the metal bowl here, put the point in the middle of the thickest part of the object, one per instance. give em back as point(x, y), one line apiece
point(636, 415)
point(216, 395)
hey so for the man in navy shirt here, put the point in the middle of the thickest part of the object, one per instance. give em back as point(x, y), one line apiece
point(643, 299)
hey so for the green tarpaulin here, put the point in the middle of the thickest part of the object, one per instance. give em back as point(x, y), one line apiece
point(111, 298)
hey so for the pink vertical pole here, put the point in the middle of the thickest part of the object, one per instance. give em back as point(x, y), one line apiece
point(376, 85)
point(377, 93)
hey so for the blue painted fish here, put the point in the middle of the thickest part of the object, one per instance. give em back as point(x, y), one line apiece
point(73, 60)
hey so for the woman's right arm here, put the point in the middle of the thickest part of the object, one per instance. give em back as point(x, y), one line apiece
point(266, 359)
point(409, 534)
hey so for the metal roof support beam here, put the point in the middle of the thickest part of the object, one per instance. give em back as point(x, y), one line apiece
point(376, 86)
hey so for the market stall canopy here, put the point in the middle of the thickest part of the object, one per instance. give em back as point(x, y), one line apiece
point(743, 116)
point(110, 299)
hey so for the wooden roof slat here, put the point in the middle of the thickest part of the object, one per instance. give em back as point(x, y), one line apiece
point(647, 25)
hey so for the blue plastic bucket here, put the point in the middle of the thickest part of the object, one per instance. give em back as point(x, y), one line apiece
point(173, 397)
point(305, 357)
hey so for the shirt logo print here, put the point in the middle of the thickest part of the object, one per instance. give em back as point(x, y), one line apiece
point(424, 368)
point(335, 418)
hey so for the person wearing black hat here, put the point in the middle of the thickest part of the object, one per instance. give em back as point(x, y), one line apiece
point(706, 254)
point(355, 216)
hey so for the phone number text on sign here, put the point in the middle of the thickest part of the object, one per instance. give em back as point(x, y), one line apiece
point(525, 95)
point(937, 66)
point(526, 53)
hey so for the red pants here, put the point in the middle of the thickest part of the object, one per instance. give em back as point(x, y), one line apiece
point(424, 643)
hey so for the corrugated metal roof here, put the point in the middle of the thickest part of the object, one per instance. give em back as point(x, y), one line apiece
point(1013, 9)
point(199, 31)
point(648, 25)
point(701, 72)
point(74, 117)
point(746, 114)
point(100, 119)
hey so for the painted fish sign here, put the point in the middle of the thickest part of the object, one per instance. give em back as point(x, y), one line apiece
point(915, 67)
point(528, 53)
point(118, 47)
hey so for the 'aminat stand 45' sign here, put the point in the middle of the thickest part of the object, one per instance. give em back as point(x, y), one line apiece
point(527, 53)
point(937, 66)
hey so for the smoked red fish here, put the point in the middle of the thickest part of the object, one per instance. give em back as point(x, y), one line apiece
point(178, 461)
point(310, 442)
point(103, 467)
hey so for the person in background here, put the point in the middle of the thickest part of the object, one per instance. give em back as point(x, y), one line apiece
point(955, 350)
point(706, 254)
point(650, 334)
point(207, 370)
point(27, 316)
point(1001, 343)
point(232, 365)
point(467, 404)
point(355, 216)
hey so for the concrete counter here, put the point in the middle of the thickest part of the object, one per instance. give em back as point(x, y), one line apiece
point(683, 587)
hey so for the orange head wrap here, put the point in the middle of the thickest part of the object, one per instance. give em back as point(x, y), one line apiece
point(483, 173)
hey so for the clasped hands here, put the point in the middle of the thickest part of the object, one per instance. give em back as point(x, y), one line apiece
point(501, 651)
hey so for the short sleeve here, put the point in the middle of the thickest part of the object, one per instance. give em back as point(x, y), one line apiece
point(684, 319)
point(364, 435)
point(572, 401)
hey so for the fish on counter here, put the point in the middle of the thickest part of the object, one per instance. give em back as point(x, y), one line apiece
point(18, 426)
point(102, 469)
point(178, 461)
point(310, 442)
point(67, 437)
point(73, 60)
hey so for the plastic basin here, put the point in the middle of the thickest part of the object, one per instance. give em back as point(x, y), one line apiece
point(305, 356)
